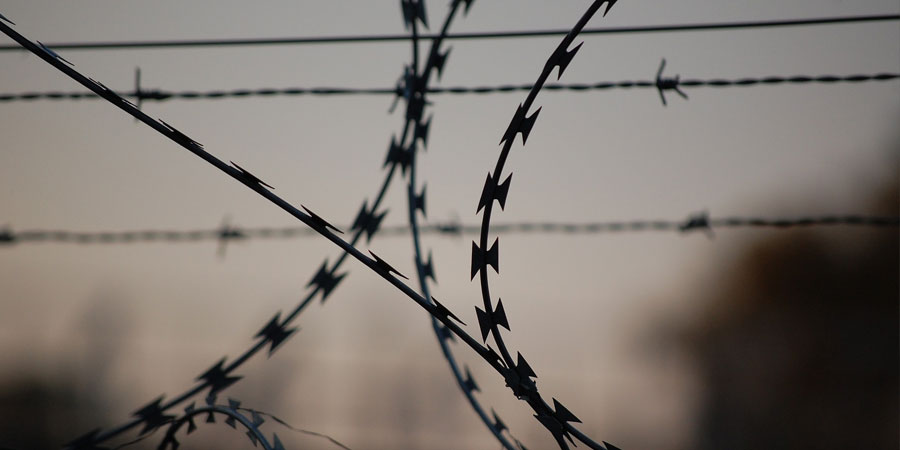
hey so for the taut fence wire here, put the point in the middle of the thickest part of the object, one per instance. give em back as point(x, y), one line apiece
point(171, 44)
point(697, 222)
point(661, 84)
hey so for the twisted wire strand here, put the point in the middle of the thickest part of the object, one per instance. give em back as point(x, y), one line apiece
point(163, 95)
point(474, 35)
point(295, 429)
point(10, 237)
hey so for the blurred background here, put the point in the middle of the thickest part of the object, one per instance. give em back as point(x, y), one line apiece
point(655, 340)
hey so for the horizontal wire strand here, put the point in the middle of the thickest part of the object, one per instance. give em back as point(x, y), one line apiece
point(163, 95)
point(456, 36)
point(699, 222)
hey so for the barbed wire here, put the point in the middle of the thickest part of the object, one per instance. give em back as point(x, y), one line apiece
point(415, 132)
point(660, 83)
point(517, 373)
point(276, 331)
point(413, 88)
point(699, 222)
point(220, 376)
point(458, 36)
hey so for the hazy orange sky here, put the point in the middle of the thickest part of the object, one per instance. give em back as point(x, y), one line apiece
point(595, 156)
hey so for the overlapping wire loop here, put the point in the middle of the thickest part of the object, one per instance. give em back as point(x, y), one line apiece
point(278, 329)
point(221, 375)
point(517, 373)
point(402, 155)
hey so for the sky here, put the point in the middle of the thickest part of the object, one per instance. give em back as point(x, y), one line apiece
point(578, 305)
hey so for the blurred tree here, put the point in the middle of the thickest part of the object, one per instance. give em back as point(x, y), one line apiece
point(798, 347)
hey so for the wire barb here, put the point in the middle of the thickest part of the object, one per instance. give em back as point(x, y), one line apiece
point(667, 84)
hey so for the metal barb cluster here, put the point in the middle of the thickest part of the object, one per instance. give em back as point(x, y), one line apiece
point(518, 373)
point(667, 84)
point(414, 88)
point(234, 415)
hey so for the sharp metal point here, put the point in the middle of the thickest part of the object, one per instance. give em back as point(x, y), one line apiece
point(520, 123)
point(498, 424)
point(276, 444)
point(419, 202)
point(275, 333)
point(523, 368)
point(217, 378)
point(667, 84)
point(413, 10)
point(440, 61)
point(367, 220)
point(319, 222)
point(181, 137)
point(609, 5)
point(428, 269)
point(2, 17)
point(562, 57)
point(54, 54)
point(563, 414)
point(420, 133)
point(487, 321)
point(384, 267)
point(468, 5)
point(152, 415)
point(326, 280)
point(398, 155)
point(493, 191)
point(442, 311)
point(482, 258)
point(469, 382)
point(247, 175)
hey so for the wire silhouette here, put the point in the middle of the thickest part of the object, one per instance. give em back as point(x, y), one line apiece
point(458, 36)
point(517, 373)
point(220, 376)
point(278, 329)
point(274, 333)
point(9, 237)
point(661, 84)
point(278, 332)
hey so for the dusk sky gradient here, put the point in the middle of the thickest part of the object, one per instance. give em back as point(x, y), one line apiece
point(579, 306)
